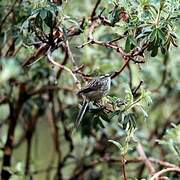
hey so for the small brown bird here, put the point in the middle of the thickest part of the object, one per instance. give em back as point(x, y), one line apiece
point(93, 91)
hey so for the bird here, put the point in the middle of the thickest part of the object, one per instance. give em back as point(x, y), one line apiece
point(95, 90)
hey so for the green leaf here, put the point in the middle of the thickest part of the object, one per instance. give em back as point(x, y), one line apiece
point(104, 116)
point(163, 50)
point(128, 44)
point(65, 33)
point(43, 13)
point(49, 19)
point(100, 123)
point(144, 112)
point(133, 41)
point(176, 149)
point(115, 15)
point(117, 144)
point(174, 35)
point(115, 113)
point(162, 4)
point(38, 21)
point(120, 117)
point(147, 30)
point(129, 121)
point(25, 25)
point(154, 51)
point(129, 96)
point(141, 35)
point(161, 35)
point(152, 36)
point(147, 96)
point(173, 41)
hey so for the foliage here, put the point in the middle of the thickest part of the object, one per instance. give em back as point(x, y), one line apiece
point(50, 49)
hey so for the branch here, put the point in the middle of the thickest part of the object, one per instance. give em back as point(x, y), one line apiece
point(51, 60)
point(119, 72)
point(13, 117)
point(123, 169)
point(45, 89)
point(137, 88)
point(94, 10)
point(164, 73)
point(10, 11)
point(58, 40)
point(145, 159)
point(91, 40)
point(73, 31)
point(55, 131)
point(162, 163)
point(156, 175)
point(70, 53)
point(79, 71)
point(64, 62)
point(30, 128)
point(126, 56)
point(38, 54)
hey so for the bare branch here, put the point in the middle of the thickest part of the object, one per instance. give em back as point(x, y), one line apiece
point(70, 53)
point(119, 72)
point(51, 60)
point(95, 7)
point(159, 173)
point(146, 160)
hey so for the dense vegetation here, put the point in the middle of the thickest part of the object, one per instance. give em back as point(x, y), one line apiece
point(50, 49)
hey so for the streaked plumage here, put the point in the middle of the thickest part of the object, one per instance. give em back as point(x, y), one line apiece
point(93, 91)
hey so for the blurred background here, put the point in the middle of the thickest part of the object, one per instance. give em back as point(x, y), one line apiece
point(38, 101)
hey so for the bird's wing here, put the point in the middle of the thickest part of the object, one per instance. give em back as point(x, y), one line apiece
point(93, 85)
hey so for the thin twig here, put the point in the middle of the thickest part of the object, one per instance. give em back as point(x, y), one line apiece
point(84, 44)
point(117, 39)
point(164, 73)
point(130, 76)
point(70, 54)
point(123, 169)
point(137, 88)
point(50, 58)
point(94, 10)
point(119, 72)
point(162, 163)
point(64, 61)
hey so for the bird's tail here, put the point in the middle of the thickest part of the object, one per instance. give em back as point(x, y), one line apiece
point(81, 113)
